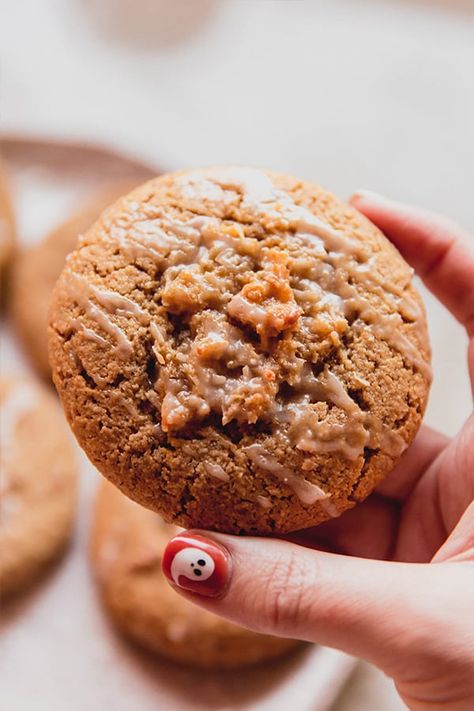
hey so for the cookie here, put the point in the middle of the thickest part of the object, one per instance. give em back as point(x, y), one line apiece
point(127, 544)
point(37, 268)
point(239, 350)
point(7, 224)
point(37, 483)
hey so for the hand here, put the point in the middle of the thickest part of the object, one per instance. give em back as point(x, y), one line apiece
point(392, 580)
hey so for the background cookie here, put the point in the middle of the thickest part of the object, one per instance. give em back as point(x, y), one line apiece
point(7, 224)
point(127, 544)
point(239, 350)
point(37, 268)
point(37, 483)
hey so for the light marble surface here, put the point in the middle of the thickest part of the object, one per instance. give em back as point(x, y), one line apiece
point(351, 93)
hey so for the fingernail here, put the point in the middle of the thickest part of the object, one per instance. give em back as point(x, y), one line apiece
point(197, 564)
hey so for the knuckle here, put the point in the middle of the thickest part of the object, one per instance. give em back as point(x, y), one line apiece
point(287, 596)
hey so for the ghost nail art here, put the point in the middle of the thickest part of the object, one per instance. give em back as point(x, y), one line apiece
point(197, 564)
point(192, 563)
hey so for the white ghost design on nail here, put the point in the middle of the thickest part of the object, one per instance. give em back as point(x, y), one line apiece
point(193, 563)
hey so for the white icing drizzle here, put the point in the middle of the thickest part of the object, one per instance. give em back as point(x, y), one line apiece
point(216, 471)
point(386, 329)
point(326, 282)
point(256, 187)
point(79, 290)
point(384, 438)
point(307, 492)
point(311, 436)
point(336, 392)
point(384, 326)
point(264, 502)
point(225, 394)
point(261, 197)
point(123, 346)
point(304, 223)
point(166, 242)
point(359, 430)
point(328, 286)
point(194, 228)
point(178, 409)
point(159, 338)
point(193, 186)
point(113, 301)
point(133, 247)
point(246, 312)
point(89, 333)
point(409, 308)
point(330, 508)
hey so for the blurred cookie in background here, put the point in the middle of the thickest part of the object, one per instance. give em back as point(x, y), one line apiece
point(127, 544)
point(37, 268)
point(149, 23)
point(38, 482)
point(7, 226)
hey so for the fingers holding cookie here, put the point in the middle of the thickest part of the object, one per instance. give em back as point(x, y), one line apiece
point(440, 251)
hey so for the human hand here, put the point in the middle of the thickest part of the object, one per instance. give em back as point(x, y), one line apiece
point(392, 580)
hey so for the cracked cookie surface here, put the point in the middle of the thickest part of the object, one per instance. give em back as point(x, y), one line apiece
point(239, 350)
point(37, 268)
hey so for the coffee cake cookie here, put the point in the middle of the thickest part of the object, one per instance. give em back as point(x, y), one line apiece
point(37, 483)
point(239, 350)
point(37, 269)
point(127, 544)
point(7, 224)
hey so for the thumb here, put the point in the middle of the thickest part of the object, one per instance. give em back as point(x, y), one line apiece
point(372, 609)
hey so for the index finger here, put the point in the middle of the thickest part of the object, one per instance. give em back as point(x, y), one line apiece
point(440, 251)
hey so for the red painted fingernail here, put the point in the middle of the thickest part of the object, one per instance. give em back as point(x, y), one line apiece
point(198, 564)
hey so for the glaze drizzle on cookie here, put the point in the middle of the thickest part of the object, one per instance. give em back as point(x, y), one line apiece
point(254, 301)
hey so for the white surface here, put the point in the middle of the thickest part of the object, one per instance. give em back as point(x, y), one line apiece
point(369, 690)
point(351, 93)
